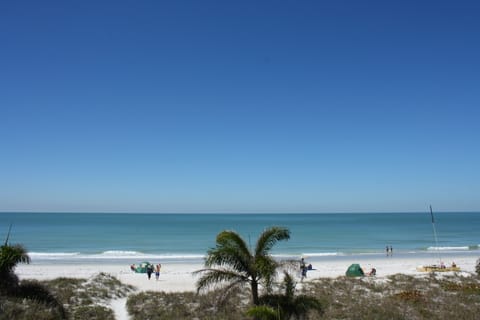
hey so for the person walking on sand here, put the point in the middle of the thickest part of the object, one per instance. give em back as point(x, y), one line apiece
point(303, 269)
point(149, 271)
point(157, 271)
point(304, 273)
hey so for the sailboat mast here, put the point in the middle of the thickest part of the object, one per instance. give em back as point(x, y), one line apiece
point(435, 234)
point(8, 235)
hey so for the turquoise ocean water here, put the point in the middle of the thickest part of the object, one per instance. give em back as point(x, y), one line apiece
point(97, 237)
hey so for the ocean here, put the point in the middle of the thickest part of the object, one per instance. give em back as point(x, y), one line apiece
point(127, 238)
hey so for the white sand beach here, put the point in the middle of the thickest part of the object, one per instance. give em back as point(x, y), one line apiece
point(178, 277)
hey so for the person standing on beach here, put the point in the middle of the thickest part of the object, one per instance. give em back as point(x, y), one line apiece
point(149, 271)
point(302, 264)
point(303, 269)
point(157, 271)
point(304, 272)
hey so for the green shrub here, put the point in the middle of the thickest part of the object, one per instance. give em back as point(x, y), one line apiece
point(188, 305)
point(395, 297)
point(11, 308)
point(398, 297)
point(83, 299)
point(92, 313)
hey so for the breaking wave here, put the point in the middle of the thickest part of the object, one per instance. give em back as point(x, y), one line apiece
point(110, 255)
point(448, 248)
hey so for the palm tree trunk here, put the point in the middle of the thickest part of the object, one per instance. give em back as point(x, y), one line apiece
point(255, 299)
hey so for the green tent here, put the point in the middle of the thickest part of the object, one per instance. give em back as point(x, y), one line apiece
point(354, 271)
point(142, 268)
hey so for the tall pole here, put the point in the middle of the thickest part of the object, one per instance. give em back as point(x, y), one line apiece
point(8, 235)
point(435, 235)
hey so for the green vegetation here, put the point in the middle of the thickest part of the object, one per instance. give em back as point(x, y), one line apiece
point(13, 292)
point(396, 297)
point(285, 305)
point(89, 298)
point(82, 298)
point(232, 263)
point(188, 305)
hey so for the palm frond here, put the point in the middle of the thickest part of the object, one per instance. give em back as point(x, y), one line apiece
point(266, 268)
point(212, 277)
point(228, 256)
point(11, 255)
point(231, 251)
point(269, 238)
point(288, 285)
point(234, 240)
point(263, 313)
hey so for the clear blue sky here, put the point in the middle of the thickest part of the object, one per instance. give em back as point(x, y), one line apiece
point(239, 106)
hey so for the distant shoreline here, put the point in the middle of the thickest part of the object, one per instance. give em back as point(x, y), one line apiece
point(53, 258)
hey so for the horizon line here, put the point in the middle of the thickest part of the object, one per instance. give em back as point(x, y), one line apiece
point(246, 213)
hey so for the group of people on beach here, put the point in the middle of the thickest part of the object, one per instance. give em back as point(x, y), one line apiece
point(304, 268)
point(149, 269)
point(389, 251)
point(157, 271)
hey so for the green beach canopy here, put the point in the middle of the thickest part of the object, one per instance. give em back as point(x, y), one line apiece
point(142, 268)
point(354, 271)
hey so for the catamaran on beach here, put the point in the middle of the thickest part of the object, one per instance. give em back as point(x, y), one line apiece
point(440, 267)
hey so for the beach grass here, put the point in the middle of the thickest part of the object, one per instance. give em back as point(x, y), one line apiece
point(82, 298)
point(395, 297)
point(399, 296)
point(188, 305)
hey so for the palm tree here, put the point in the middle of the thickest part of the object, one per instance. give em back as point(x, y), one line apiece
point(232, 262)
point(286, 305)
point(10, 256)
point(10, 286)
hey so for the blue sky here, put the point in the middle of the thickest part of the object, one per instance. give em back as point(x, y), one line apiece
point(239, 106)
